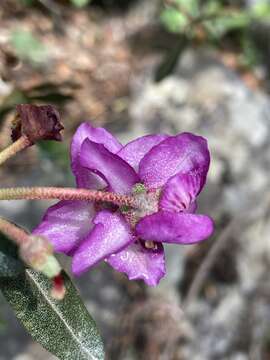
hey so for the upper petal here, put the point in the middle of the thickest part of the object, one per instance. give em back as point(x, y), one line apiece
point(177, 154)
point(179, 228)
point(140, 263)
point(180, 191)
point(135, 150)
point(66, 223)
point(118, 174)
point(110, 234)
point(84, 178)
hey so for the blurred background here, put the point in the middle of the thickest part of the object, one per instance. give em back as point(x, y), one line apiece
point(138, 67)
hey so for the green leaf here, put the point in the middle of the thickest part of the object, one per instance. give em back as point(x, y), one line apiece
point(251, 54)
point(80, 3)
point(261, 10)
point(189, 6)
point(225, 23)
point(28, 47)
point(173, 20)
point(170, 60)
point(64, 328)
point(10, 265)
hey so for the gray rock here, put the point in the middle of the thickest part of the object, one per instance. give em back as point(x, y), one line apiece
point(205, 97)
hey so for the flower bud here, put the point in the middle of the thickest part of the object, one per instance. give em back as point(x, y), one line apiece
point(37, 252)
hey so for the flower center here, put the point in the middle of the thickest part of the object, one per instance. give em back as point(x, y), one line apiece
point(146, 203)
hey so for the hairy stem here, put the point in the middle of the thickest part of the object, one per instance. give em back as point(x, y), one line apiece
point(13, 232)
point(35, 251)
point(39, 193)
point(14, 148)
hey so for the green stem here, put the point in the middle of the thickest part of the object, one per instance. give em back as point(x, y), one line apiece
point(14, 148)
point(40, 193)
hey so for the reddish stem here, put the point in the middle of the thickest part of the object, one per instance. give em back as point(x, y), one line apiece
point(39, 193)
point(18, 235)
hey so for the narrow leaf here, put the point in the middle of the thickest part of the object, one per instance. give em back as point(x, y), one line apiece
point(64, 328)
point(10, 265)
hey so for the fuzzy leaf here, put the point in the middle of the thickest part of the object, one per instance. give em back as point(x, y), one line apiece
point(64, 328)
point(10, 265)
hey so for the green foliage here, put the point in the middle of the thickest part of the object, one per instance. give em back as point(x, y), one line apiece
point(28, 47)
point(64, 328)
point(190, 7)
point(220, 26)
point(43, 93)
point(80, 3)
point(261, 10)
point(10, 265)
point(27, 2)
point(213, 20)
point(55, 151)
point(213, 16)
point(174, 20)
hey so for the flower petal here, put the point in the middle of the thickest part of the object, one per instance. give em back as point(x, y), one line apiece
point(118, 174)
point(177, 154)
point(110, 234)
point(140, 263)
point(135, 150)
point(180, 191)
point(179, 228)
point(66, 223)
point(84, 177)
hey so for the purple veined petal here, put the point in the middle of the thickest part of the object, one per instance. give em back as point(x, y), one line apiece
point(183, 153)
point(118, 174)
point(110, 234)
point(180, 192)
point(66, 223)
point(192, 207)
point(178, 228)
point(135, 150)
point(85, 178)
point(140, 263)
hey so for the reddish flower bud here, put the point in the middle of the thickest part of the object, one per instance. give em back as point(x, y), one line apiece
point(58, 290)
point(37, 123)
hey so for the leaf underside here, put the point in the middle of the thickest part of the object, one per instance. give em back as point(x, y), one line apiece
point(65, 328)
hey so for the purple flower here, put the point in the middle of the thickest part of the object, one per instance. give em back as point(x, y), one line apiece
point(163, 173)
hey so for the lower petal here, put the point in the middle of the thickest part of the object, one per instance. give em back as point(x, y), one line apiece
point(110, 234)
point(140, 263)
point(178, 228)
point(66, 223)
